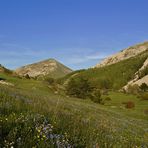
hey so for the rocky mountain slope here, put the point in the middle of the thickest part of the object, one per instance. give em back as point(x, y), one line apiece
point(141, 76)
point(130, 66)
point(124, 54)
point(49, 68)
point(132, 51)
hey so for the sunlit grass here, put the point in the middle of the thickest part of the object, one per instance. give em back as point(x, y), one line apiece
point(36, 118)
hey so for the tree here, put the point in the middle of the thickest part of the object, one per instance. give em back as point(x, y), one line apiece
point(144, 87)
point(79, 87)
point(105, 84)
point(96, 96)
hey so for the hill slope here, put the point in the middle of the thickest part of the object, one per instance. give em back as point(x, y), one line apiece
point(141, 76)
point(117, 73)
point(49, 68)
point(4, 70)
point(124, 54)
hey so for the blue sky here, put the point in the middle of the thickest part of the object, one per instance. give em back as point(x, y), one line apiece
point(78, 33)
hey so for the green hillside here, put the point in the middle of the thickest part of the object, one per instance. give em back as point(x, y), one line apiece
point(114, 76)
point(61, 71)
point(5, 70)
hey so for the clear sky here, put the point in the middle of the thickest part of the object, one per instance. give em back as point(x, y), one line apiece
point(78, 33)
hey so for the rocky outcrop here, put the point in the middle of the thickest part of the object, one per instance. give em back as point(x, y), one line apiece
point(2, 82)
point(138, 81)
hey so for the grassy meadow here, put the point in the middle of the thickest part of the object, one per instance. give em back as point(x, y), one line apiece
point(31, 115)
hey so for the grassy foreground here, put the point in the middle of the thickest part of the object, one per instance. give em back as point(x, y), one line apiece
point(32, 116)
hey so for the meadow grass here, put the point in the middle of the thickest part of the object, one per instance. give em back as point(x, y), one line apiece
point(33, 116)
point(117, 104)
point(78, 123)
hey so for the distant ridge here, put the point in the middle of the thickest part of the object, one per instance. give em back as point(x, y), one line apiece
point(128, 67)
point(46, 68)
point(124, 54)
point(127, 53)
point(4, 70)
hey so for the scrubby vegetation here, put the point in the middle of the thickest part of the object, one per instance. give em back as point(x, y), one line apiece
point(96, 96)
point(144, 87)
point(144, 96)
point(113, 76)
point(79, 87)
point(133, 89)
point(82, 88)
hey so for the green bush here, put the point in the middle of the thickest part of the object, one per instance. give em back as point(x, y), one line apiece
point(82, 88)
point(107, 99)
point(2, 79)
point(96, 96)
point(78, 87)
point(144, 87)
point(50, 80)
point(144, 96)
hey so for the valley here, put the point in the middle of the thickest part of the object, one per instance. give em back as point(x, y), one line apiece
point(40, 112)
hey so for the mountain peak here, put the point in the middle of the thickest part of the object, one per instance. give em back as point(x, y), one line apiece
point(49, 67)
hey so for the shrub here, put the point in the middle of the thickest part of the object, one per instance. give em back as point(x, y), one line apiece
point(133, 89)
point(50, 80)
point(107, 99)
point(2, 79)
point(144, 87)
point(129, 104)
point(79, 87)
point(96, 96)
point(144, 96)
point(105, 84)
